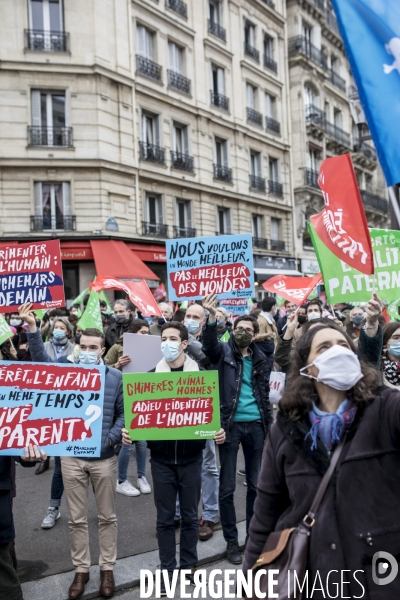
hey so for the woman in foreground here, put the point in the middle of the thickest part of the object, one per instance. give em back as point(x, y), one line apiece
point(331, 393)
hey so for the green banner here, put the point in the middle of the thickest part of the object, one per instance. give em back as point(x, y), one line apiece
point(345, 284)
point(79, 299)
point(172, 406)
point(393, 310)
point(92, 315)
point(5, 331)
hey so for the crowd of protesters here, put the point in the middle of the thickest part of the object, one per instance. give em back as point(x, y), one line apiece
point(323, 400)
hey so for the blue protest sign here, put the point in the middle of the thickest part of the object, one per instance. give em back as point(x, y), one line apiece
point(221, 265)
point(55, 406)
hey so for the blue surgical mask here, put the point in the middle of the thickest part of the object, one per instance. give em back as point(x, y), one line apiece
point(191, 325)
point(170, 350)
point(58, 334)
point(357, 320)
point(88, 358)
point(394, 349)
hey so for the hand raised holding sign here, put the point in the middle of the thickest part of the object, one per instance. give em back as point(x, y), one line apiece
point(33, 454)
point(210, 303)
point(26, 314)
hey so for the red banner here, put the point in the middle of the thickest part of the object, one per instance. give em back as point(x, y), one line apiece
point(342, 224)
point(159, 293)
point(294, 289)
point(138, 291)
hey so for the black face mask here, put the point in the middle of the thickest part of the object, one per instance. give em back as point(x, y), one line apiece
point(77, 338)
point(162, 320)
point(243, 338)
point(301, 319)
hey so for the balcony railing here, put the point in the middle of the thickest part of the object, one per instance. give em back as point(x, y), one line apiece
point(223, 233)
point(374, 201)
point(257, 183)
point(217, 30)
point(315, 115)
point(253, 116)
point(222, 173)
point(270, 63)
point(301, 45)
point(337, 134)
point(184, 232)
point(219, 100)
point(366, 149)
point(181, 161)
point(178, 82)
point(338, 81)
point(249, 50)
point(311, 178)
point(269, 3)
point(154, 229)
point(61, 223)
point(277, 245)
point(273, 125)
point(177, 6)
point(147, 67)
point(152, 153)
point(46, 41)
point(50, 136)
point(275, 188)
point(260, 243)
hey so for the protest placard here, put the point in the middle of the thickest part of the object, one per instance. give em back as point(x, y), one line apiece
point(5, 331)
point(221, 265)
point(236, 307)
point(345, 284)
point(144, 351)
point(172, 406)
point(55, 406)
point(31, 273)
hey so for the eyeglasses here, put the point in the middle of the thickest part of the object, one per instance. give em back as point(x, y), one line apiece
point(242, 329)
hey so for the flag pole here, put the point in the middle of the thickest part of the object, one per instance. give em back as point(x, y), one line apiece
point(395, 204)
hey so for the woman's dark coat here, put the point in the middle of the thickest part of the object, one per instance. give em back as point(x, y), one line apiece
point(360, 514)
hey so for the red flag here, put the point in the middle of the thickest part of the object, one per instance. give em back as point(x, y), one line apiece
point(138, 291)
point(294, 289)
point(342, 224)
point(159, 293)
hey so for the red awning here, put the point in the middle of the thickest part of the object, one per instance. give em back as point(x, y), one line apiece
point(114, 259)
point(78, 250)
point(149, 253)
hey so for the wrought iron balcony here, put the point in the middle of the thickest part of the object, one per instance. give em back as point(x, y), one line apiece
point(50, 136)
point(260, 243)
point(337, 134)
point(219, 100)
point(311, 178)
point(184, 232)
point(338, 81)
point(46, 41)
point(315, 115)
point(366, 149)
point(269, 3)
point(301, 45)
point(374, 201)
point(178, 81)
point(275, 188)
point(257, 183)
point(222, 173)
point(270, 63)
point(154, 229)
point(253, 116)
point(177, 6)
point(152, 153)
point(277, 245)
point(249, 50)
point(47, 222)
point(273, 125)
point(181, 161)
point(217, 30)
point(147, 67)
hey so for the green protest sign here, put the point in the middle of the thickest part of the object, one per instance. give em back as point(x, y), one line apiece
point(172, 406)
point(92, 315)
point(5, 331)
point(40, 313)
point(226, 337)
point(345, 284)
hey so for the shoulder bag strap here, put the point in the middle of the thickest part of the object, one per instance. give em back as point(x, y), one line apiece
point(309, 519)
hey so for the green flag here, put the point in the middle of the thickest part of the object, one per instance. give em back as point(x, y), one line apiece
point(345, 284)
point(79, 299)
point(393, 311)
point(226, 337)
point(5, 331)
point(103, 296)
point(279, 300)
point(40, 313)
point(92, 315)
point(184, 304)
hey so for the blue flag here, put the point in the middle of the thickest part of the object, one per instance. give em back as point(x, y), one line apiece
point(371, 33)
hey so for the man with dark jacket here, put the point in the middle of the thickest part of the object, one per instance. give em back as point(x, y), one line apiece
point(124, 313)
point(10, 587)
point(102, 472)
point(243, 371)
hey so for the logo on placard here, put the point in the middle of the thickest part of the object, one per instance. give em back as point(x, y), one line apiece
point(385, 564)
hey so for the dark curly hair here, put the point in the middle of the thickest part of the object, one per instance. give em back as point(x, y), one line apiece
point(300, 391)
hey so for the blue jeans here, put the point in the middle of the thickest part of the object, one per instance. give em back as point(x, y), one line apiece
point(57, 484)
point(124, 456)
point(168, 481)
point(251, 436)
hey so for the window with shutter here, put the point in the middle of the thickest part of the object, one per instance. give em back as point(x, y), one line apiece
point(275, 229)
point(66, 190)
point(251, 93)
point(38, 199)
point(36, 108)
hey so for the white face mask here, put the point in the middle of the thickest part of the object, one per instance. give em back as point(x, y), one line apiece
point(311, 316)
point(338, 367)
